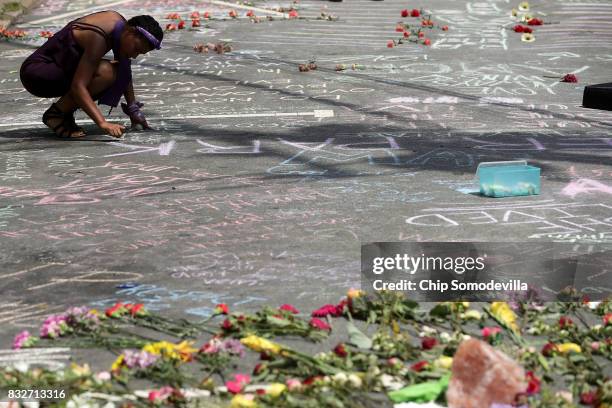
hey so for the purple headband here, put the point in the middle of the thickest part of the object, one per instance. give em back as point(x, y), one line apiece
point(154, 41)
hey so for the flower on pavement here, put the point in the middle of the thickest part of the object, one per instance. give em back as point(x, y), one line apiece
point(24, 339)
point(259, 344)
point(240, 381)
point(319, 324)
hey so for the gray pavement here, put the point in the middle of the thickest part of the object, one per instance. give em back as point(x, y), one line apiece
point(259, 183)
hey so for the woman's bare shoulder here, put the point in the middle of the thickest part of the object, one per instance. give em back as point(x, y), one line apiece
point(106, 20)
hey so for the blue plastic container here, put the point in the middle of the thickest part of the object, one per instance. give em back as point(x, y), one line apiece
point(508, 179)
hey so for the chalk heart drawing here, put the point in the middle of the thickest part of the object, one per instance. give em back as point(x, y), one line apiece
point(585, 186)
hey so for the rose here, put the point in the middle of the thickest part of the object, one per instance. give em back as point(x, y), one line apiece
point(427, 343)
point(415, 13)
point(405, 13)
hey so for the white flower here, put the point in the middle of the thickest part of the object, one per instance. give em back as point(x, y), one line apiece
point(466, 337)
point(355, 381)
point(390, 382)
point(445, 337)
point(593, 305)
point(597, 327)
point(340, 378)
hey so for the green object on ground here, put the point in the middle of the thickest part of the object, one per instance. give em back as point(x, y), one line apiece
point(423, 392)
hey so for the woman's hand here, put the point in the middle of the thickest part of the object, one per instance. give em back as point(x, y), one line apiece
point(136, 116)
point(112, 129)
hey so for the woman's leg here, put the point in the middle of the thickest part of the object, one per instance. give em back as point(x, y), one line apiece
point(103, 78)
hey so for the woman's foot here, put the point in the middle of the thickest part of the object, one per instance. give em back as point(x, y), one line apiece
point(62, 123)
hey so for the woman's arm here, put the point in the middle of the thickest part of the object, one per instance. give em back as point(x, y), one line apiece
point(84, 75)
point(129, 94)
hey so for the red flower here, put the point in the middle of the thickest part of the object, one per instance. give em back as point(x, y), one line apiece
point(428, 343)
point(265, 356)
point(406, 34)
point(327, 310)
point(260, 391)
point(250, 13)
point(206, 15)
point(181, 24)
point(607, 320)
point(289, 308)
point(390, 44)
point(195, 23)
point(311, 380)
point(340, 350)
point(535, 22)
point(570, 78)
point(233, 14)
point(340, 306)
point(421, 34)
point(227, 325)
point(259, 367)
point(415, 13)
point(427, 41)
point(445, 28)
point(400, 28)
point(533, 386)
point(293, 14)
point(221, 308)
point(116, 310)
point(519, 28)
point(419, 366)
point(405, 13)
point(589, 398)
point(173, 16)
point(319, 324)
point(137, 309)
point(195, 14)
point(549, 349)
point(170, 27)
point(565, 321)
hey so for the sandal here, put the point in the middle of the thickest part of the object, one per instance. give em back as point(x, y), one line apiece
point(66, 127)
point(71, 122)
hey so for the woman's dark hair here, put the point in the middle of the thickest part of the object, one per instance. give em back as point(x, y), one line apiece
point(149, 24)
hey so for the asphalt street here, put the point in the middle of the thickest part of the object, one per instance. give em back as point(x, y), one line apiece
point(259, 183)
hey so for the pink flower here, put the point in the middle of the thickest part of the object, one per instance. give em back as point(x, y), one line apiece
point(490, 332)
point(293, 384)
point(240, 380)
point(293, 14)
point(158, 396)
point(390, 44)
point(319, 324)
point(23, 339)
point(428, 343)
point(327, 310)
point(427, 41)
point(289, 308)
point(54, 326)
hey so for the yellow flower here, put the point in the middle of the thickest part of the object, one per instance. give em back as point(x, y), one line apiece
point(472, 314)
point(503, 312)
point(527, 37)
point(444, 362)
point(118, 363)
point(524, 6)
point(260, 344)
point(276, 389)
point(354, 293)
point(80, 371)
point(514, 13)
point(181, 351)
point(569, 347)
point(242, 401)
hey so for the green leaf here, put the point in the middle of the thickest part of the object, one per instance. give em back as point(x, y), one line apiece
point(277, 322)
point(357, 337)
point(440, 310)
